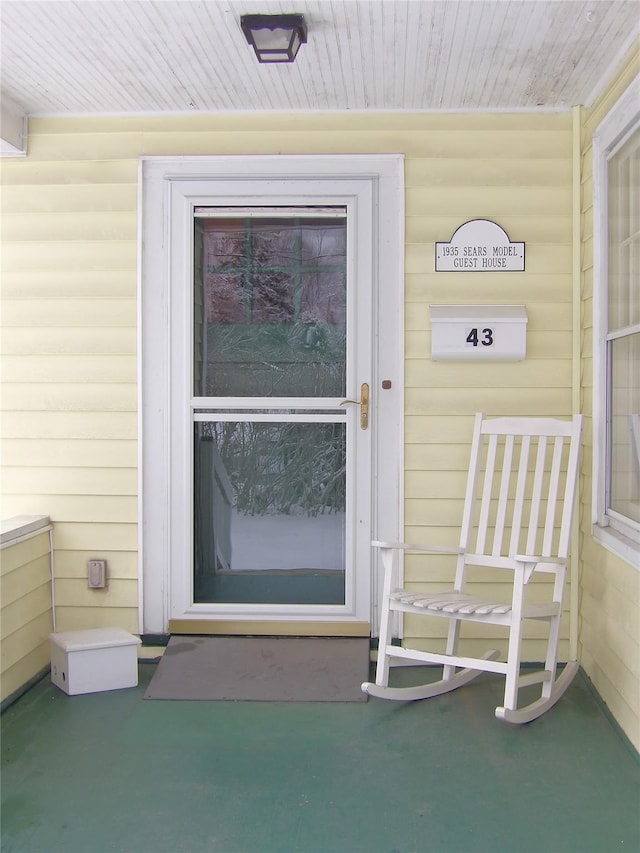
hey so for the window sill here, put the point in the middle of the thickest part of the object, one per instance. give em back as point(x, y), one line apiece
point(618, 544)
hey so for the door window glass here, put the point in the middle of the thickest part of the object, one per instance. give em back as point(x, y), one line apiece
point(269, 512)
point(270, 306)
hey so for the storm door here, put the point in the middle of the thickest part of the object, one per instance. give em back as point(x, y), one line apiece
point(270, 417)
point(275, 349)
point(271, 374)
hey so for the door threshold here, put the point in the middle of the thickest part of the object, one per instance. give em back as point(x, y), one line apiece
point(261, 628)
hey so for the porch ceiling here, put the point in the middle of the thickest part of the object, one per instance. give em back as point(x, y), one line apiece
point(134, 56)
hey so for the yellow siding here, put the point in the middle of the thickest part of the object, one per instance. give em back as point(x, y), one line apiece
point(610, 588)
point(25, 617)
point(529, 194)
point(69, 337)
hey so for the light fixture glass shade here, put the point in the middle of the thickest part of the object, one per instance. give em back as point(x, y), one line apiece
point(274, 38)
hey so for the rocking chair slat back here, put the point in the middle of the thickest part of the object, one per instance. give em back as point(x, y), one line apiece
point(514, 542)
point(522, 507)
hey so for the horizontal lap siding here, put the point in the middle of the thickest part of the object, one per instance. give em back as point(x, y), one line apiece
point(525, 185)
point(610, 587)
point(25, 617)
point(70, 318)
point(70, 370)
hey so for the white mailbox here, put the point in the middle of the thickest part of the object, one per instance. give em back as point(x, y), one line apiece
point(478, 332)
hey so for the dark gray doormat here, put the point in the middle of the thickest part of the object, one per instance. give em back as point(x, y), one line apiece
point(267, 669)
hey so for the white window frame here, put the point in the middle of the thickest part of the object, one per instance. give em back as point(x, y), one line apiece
point(611, 531)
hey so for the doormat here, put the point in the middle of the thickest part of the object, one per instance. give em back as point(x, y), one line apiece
point(262, 669)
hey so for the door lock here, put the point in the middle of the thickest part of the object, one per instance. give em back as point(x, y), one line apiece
point(363, 402)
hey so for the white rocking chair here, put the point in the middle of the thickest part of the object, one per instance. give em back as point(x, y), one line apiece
point(517, 517)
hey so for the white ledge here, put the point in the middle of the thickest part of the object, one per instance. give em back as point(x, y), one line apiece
point(20, 526)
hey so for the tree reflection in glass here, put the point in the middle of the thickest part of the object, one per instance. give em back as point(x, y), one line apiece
point(270, 300)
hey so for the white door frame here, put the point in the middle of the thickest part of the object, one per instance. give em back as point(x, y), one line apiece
point(280, 180)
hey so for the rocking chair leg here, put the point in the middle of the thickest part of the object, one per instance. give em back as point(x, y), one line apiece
point(551, 662)
point(384, 640)
point(453, 634)
point(536, 709)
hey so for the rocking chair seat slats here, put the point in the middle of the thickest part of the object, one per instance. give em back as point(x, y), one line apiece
point(519, 502)
point(453, 602)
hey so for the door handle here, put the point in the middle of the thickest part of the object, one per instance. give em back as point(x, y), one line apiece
point(363, 402)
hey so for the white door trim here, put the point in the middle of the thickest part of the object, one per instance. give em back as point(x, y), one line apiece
point(265, 176)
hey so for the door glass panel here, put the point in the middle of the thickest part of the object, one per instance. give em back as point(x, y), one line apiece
point(269, 512)
point(270, 306)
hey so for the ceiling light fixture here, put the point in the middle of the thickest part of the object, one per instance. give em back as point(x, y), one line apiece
point(274, 38)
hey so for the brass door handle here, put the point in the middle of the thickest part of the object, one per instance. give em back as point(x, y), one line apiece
point(363, 402)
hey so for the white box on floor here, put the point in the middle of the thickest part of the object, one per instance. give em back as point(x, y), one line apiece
point(94, 660)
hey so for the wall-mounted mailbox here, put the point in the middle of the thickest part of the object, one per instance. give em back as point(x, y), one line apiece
point(478, 332)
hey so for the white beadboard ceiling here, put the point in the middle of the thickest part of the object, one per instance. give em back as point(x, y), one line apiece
point(141, 56)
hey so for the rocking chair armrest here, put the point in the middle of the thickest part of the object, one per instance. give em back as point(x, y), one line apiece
point(406, 546)
point(531, 563)
point(530, 558)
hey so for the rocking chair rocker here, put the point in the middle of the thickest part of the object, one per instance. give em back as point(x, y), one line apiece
point(517, 518)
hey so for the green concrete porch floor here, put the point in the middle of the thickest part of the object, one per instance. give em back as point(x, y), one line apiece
point(113, 772)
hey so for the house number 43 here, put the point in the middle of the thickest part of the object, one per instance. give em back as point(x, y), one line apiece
point(480, 337)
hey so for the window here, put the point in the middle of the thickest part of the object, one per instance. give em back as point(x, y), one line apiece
point(617, 328)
